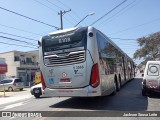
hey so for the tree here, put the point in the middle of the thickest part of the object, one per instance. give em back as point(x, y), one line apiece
point(150, 47)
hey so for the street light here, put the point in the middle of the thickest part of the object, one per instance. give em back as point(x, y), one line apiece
point(84, 18)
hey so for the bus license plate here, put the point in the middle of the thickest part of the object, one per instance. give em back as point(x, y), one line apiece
point(36, 91)
point(65, 80)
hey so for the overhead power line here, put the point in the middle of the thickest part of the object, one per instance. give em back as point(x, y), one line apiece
point(61, 9)
point(109, 12)
point(69, 20)
point(63, 4)
point(19, 36)
point(20, 29)
point(54, 4)
point(51, 8)
point(123, 9)
point(17, 40)
point(28, 17)
point(130, 28)
point(45, 6)
point(17, 45)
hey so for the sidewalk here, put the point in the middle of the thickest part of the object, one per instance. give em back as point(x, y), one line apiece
point(11, 97)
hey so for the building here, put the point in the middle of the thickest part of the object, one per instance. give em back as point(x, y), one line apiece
point(22, 64)
point(3, 68)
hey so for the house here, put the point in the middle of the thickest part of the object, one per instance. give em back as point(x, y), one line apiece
point(22, 64)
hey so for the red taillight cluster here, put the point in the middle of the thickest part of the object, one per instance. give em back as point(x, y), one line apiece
point(95, 80)
point(42, 80)
point(150, 84)
point(153, 82)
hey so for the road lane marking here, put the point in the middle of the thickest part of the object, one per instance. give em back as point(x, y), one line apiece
point(13, 105)
point(12, 118)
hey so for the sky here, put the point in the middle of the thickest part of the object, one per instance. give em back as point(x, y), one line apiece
point(131, 20)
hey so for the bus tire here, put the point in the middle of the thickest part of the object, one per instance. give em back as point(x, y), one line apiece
point(115, 90)
point(120, 81)
point(117, 84)
point(37, 95)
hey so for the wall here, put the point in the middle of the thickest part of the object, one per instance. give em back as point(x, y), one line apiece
point(3, 68)
point(10, 62)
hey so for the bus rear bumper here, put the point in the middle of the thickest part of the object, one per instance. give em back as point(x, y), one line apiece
point(81, 92)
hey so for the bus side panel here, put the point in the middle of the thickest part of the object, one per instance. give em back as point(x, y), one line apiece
point(92, 48)
point(124, 70)
point(103, 69)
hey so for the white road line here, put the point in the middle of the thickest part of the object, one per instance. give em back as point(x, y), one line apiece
point(13, 105)
point(12, 118)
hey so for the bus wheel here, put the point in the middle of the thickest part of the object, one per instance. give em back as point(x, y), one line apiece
point(115, 89)
point(120, 81)
point(118, 86)
point(37, 95)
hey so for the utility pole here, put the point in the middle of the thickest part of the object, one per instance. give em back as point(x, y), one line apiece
point(61, 13)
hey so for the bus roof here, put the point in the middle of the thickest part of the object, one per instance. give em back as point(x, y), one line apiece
point(62, 31)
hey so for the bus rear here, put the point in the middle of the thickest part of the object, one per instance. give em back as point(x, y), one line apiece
point(67, 65)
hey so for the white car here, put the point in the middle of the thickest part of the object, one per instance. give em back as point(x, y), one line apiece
point(151, 78)
point(37, 91)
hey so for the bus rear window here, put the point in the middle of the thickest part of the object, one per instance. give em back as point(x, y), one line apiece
point(65, 40)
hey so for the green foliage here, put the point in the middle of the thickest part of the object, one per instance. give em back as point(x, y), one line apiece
point(150, 47)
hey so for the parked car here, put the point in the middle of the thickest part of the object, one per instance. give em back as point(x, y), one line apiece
point(151, 78)
point(37, 91)
point(11, 84)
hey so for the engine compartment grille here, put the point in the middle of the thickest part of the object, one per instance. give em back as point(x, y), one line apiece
point(64, 58)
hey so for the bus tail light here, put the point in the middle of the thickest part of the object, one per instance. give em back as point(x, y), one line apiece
point(42, 80)
point(94, 82)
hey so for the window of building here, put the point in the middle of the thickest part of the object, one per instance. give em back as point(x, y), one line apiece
point(29, 60)
point(16, 58)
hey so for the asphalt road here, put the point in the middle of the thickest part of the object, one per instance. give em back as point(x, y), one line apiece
point(129, 98)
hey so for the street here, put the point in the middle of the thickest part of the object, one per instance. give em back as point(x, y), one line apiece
point(129, 98)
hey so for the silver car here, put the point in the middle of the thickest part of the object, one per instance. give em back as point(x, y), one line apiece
point(11, 84)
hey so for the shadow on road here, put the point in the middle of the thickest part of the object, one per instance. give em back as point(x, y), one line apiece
point(129, 98)
point(155, 95)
